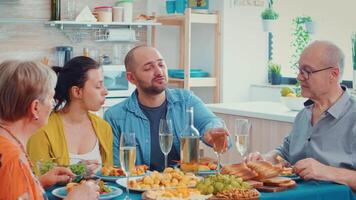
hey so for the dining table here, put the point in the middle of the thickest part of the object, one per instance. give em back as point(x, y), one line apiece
point(306, 190)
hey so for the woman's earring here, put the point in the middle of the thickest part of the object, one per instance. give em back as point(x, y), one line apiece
point(35, 117)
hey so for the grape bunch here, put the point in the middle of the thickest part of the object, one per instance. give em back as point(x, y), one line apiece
point(217, 183)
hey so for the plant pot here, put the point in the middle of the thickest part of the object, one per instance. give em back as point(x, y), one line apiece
point(276, 79)
point(268, 25)
point(310, 27)
point(354, 80)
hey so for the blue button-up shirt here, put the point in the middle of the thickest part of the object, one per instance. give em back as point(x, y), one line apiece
point(128, 116)
point(331, 141)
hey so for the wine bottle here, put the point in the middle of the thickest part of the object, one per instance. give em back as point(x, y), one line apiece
point(55, 10)
point(189, 145)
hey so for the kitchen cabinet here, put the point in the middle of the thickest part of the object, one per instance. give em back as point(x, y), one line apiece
point(184, 22)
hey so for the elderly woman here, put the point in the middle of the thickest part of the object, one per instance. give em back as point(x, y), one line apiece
point(26, 95)
point(73, 133)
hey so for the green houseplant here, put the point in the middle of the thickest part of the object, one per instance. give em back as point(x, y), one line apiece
point(269, 17)
point(269, 14)
point(301, 39)
point(275, 71)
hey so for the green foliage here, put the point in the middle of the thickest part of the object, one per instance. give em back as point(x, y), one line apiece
point(269, 13)
point(300, 41)
point(298, 89)
point(274, 68)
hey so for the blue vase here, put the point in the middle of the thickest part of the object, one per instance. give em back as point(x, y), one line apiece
point(170, 6)
point(276, 79)
point(180, 6)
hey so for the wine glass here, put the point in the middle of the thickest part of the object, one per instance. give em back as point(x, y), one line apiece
point(220, 138)
point(165, 138)
point(127, 156)
point(242, 135)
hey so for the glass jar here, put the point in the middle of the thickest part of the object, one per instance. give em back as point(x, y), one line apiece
point(127, 5)
point(104, 13)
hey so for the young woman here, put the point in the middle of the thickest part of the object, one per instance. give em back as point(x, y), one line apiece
point(26, 94)
point(73, 133)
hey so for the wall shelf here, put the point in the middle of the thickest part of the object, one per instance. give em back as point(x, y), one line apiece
point(184, 22)
point(93, 25)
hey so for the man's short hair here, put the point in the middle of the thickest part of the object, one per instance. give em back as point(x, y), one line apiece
point(332, 55)
point(130, 58)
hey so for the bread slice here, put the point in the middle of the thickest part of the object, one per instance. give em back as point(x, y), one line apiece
point(289, 184)
point(264, 169)
point(276, 181)
point(240, 170)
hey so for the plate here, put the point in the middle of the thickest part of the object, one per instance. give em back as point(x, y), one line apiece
point(294, 177)
point(123, 182)
point(207, 172)
point(62, 193)
point(114, 178)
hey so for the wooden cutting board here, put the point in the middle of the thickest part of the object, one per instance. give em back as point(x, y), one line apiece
point(266, 188)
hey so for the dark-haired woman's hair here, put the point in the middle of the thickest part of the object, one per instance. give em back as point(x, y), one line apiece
point(73, 73)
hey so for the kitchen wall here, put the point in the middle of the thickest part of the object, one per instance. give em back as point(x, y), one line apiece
point(244, 48)
point(23, 34)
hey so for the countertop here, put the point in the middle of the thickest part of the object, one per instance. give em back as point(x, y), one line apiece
point(256, 109)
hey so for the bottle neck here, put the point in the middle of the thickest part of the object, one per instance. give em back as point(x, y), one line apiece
point(190, 118)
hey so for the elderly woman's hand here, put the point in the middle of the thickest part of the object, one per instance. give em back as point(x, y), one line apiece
point(56, 175)
point(87, 190)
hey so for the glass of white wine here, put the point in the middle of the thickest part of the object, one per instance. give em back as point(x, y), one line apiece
point(242, 133)
point(221, 138)
point(165, 138)
point(127, 156)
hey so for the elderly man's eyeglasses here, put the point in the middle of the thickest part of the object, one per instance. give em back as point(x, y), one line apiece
point(306, 74)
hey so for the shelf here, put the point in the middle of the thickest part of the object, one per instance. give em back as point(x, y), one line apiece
point(21, 20)
point(62, 24)
point(194, 17)
point(196, 82)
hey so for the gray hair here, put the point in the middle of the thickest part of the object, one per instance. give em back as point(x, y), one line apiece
point(332, 55)
point(22, 82)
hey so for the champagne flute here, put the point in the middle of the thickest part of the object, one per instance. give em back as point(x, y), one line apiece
point(165, 138)
point(242, 135)
point(220, 138)
point(127, 156)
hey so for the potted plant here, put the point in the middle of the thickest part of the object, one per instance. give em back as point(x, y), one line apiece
point(275, 71)
point(300, 41)
point(308, 23)
point(269, 17)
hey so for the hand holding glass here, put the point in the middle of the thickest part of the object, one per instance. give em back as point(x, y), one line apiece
point(242, 133)
point(219, 137)
point(127, 155)
point(165, 138)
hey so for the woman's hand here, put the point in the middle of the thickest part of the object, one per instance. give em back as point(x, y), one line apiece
point(87, 191)
point(56, 175)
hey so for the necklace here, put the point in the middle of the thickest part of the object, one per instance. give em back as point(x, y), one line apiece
point(19, 143)
point(28, 160)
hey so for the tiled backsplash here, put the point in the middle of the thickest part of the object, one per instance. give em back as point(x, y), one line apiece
point(23, 34)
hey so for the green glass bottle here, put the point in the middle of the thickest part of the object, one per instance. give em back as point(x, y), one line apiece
point(55, 10)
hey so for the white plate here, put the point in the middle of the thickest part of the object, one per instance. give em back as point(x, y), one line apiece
point(123, 182)
point(114, 178)
point(115, 191)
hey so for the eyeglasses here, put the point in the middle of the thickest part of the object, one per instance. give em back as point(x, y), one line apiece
point(306, 74)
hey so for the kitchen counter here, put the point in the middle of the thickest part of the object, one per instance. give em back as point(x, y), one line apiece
point(256, 109)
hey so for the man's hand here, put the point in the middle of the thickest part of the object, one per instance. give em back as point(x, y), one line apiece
point(56, 175)
point(311, 169)
point(255, 156)
point(218, 138)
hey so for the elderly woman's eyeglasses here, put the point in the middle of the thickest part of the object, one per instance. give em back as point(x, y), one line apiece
point(306, 74)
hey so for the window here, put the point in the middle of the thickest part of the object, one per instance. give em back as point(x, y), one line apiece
point(335, 21)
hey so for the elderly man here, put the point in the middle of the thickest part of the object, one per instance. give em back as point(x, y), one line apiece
point(322, 143)
point(151, 102)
